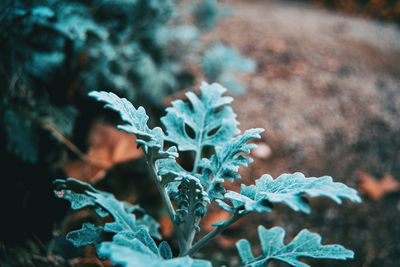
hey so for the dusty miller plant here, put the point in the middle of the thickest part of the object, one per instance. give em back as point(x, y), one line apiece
point(187, 194)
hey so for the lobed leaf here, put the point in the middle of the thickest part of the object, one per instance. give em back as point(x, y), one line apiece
point(185, 189)
point(191, 199)
point(224, 165)
point(151, 139)
point(170, 171)
point(133, 252)
point(212, 123)
point(82, 195)
point(242, 203)
point(89, 234)
point(305, 244)
point(150, 224)
point(165, 250)
point(203, 117)
point(288, 189)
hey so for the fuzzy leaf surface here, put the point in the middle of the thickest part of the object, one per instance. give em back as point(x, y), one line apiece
point(170, 171)
point(288, 189)
point(202, 116)
point(151, 139)
point(165, 250)
point(225, 163)
point(89, 234)
point(305, 244)
point(82, 195)
point(131, 252)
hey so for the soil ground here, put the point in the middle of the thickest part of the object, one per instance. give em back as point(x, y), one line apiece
point(327, 91)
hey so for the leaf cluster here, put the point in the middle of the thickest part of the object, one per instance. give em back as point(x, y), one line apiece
point(193, 125)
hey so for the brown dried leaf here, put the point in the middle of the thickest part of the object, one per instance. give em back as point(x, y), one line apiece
point(166, 226)
point(377, 188)
point(107, 147)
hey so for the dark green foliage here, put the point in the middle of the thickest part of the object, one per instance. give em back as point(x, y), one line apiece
point(220, 62)
point(54, 52)
point(206, 14)
point(21, 141)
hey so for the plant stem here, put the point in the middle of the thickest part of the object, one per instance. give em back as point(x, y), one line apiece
point(165, 198)
point(191, 219)
point(199, 147)
point(196, 162)
point(198, 153)
point(235, 217)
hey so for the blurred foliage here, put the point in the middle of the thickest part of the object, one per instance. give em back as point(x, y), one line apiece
point(54, 52)
point(206, 14)
point(380, 9)
point(220, 62)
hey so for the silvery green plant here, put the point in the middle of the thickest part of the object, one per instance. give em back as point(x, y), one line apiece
point(187, 194)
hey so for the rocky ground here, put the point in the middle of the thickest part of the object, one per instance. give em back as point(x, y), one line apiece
point(327, 90)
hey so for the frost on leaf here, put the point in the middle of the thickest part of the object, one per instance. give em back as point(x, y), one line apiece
point(288, 189)
point(224, 165)
point(305, 244)
point(151, 139)
point(205, 121)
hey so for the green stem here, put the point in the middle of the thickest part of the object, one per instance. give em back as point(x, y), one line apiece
point(165, 198)
point(202, 242)
point(191, 220)
point(198, 153)
point(199, 145)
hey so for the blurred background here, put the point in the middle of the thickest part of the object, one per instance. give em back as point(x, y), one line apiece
point(321, 76)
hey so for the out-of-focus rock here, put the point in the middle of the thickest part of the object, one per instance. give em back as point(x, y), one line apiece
point(262, 151)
